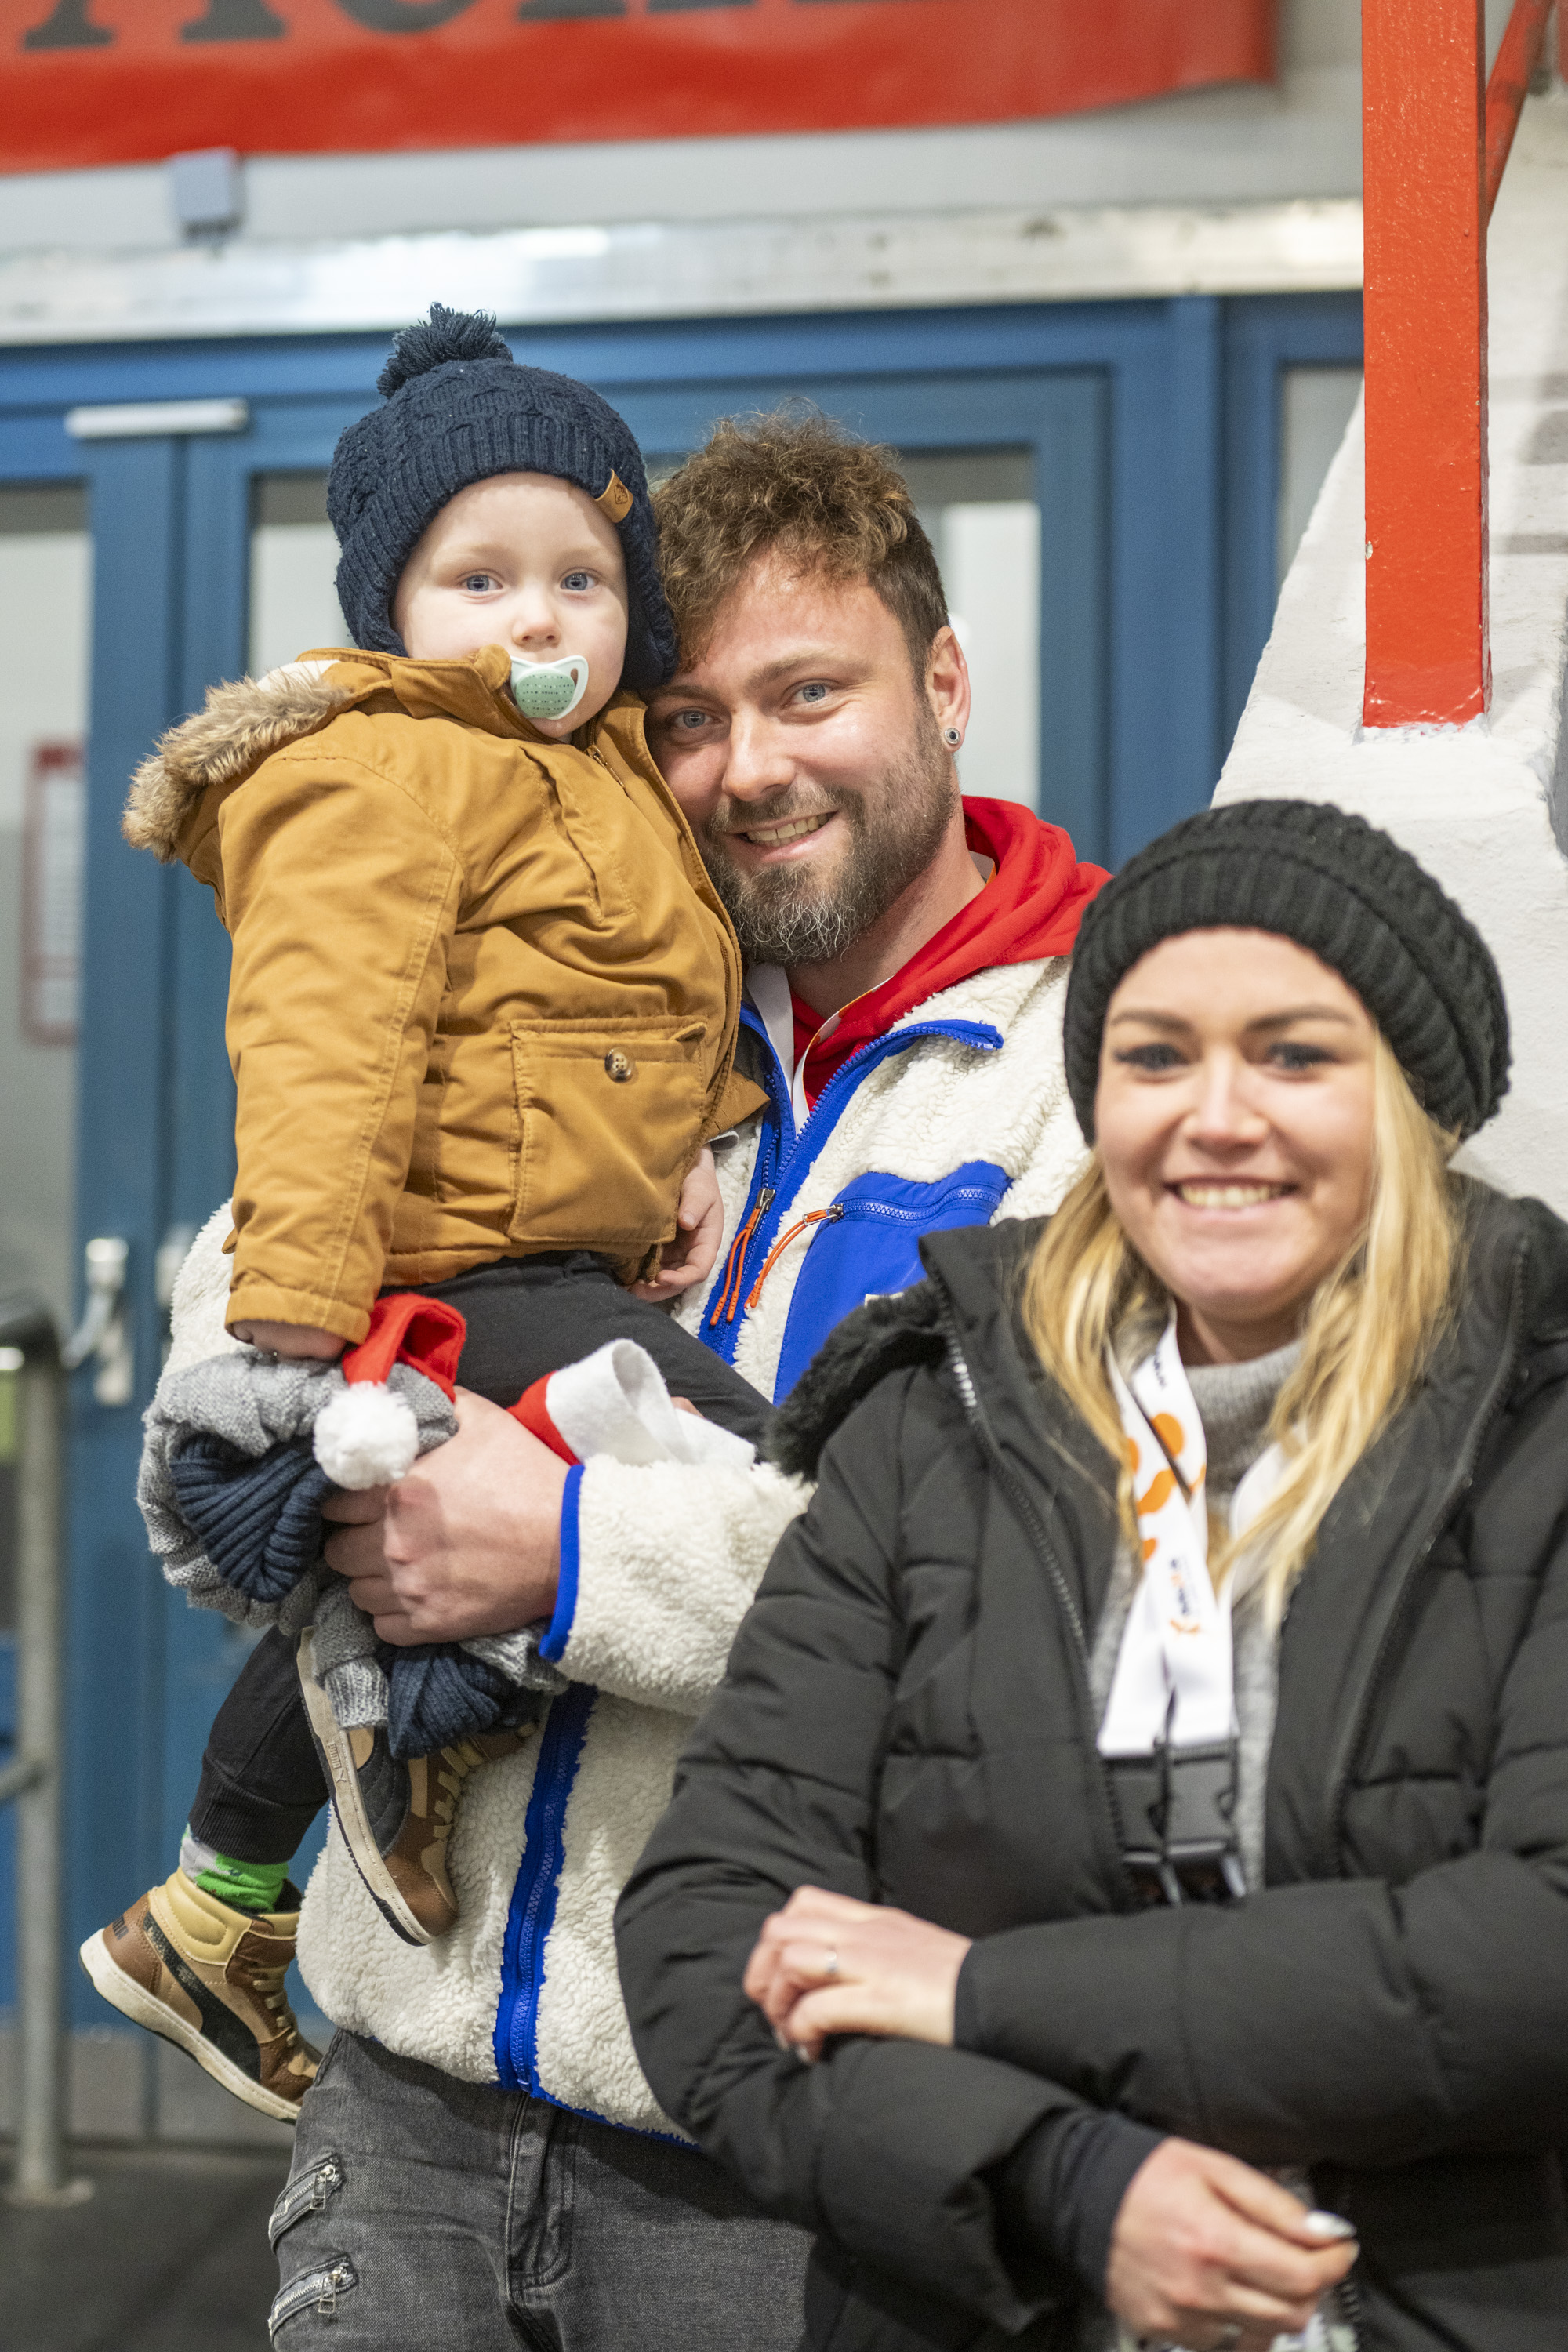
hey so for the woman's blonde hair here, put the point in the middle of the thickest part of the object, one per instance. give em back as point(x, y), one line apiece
point(1367, 1338)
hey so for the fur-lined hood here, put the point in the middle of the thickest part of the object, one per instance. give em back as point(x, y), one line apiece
point(245, 720)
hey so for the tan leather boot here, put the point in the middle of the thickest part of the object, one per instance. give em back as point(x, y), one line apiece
point(209, 1979)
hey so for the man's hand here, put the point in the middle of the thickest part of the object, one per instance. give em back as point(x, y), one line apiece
point(1207, 2251)
point(468, 1543)
point(692, 1255)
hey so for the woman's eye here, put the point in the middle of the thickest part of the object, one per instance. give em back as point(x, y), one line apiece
point(1153, 1059)
point(1288, 1054)
point(577, 582)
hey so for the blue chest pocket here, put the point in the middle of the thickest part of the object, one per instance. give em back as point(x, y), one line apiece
point(873, 1247)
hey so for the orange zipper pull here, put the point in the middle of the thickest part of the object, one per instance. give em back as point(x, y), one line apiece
point(737, 1259)
point(816, 1217)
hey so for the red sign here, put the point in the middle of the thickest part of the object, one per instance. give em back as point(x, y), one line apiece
point(114, 82)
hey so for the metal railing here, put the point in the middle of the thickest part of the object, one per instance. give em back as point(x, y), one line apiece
point(30, 1352)
point(1436, 135)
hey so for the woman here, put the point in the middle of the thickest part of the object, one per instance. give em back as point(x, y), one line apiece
point(1122, 1885)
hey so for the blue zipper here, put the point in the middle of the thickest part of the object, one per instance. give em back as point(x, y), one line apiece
point(786, 1171)
point(534, 1897)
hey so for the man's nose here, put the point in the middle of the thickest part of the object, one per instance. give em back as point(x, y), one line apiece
point(757, 760)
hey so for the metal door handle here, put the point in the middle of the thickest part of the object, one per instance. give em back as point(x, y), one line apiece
point(104, 1332)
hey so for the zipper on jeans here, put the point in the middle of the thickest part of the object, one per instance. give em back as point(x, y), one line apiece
point(320, 2287)
point(308, 2194)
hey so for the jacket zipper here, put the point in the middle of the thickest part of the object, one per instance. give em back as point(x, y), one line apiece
point(1023, 1503)
point(1453, 1495)
point(762, 1224)
point(533, 1897)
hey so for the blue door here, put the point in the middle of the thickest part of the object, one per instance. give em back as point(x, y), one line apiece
point(1099, 449)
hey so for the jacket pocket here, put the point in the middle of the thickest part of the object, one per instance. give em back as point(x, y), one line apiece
point(305, 2194)
point(317, 2290)
point(607, 1122)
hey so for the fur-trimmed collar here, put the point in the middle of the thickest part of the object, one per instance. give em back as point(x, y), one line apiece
point(245, 720)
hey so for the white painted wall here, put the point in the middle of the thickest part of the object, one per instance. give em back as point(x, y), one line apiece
point(1220, 146)
point(1485, 806)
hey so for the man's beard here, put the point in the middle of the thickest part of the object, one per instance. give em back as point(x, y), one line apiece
point(788, 915)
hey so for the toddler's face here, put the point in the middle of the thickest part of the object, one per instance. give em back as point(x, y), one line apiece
point(525, 562)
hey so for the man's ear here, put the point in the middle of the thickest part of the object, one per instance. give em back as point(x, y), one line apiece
point(947, 687)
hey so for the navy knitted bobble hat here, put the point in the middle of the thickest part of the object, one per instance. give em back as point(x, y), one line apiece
point(458, 409)
point(1333, 884)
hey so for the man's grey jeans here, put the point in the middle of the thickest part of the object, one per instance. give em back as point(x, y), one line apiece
point(427, 2215)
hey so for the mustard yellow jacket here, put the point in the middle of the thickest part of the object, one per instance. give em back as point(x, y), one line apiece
point(483, 998)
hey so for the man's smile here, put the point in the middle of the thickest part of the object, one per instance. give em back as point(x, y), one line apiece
point(780, 833)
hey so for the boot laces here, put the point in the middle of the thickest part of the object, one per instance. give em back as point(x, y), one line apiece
point(453, 1767)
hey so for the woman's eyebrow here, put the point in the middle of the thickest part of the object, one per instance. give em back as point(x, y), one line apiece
point(1301, 1013)
point(1174, 1020)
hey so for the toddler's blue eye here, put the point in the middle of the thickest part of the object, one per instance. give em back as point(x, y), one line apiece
point(477, 583)
point(577, 581)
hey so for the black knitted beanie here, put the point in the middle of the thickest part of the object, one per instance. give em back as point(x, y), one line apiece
point(458, 409)
point(1333, 884)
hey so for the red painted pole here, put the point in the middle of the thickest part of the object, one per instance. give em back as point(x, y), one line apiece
point(1423, 63)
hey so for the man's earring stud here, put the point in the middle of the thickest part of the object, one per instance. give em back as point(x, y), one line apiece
point(951, 735)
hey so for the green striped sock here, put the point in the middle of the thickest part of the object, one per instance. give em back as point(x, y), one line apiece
point(243, 1886)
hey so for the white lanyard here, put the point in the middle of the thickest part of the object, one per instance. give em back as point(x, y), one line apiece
point(1174, 1675)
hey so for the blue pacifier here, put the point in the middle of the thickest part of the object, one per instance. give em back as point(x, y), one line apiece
point(549, 690)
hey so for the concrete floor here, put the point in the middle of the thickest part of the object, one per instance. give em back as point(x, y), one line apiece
point(169, 2255)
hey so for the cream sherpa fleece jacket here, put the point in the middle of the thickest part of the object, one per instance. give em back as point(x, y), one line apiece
point(660, 1563)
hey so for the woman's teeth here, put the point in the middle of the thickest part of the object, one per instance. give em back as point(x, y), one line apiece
point(1230, 1196)
point(769, 836)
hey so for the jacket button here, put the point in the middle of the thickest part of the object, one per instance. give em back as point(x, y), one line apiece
point(619, 1067)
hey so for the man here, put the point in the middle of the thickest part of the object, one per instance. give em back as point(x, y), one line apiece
point(907, 969)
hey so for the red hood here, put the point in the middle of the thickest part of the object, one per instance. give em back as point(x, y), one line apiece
point(1030, 907)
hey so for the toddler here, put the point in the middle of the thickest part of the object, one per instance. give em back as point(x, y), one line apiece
point(482, 1017)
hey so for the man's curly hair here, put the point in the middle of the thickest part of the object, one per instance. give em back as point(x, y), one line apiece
point(795, 483)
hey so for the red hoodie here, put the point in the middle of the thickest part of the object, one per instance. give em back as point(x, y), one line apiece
point(1030, 907)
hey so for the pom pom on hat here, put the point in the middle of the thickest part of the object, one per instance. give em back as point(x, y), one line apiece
point(444, 335)
point(367, 1434)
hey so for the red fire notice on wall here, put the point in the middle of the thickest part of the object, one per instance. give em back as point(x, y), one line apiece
point(107, 81)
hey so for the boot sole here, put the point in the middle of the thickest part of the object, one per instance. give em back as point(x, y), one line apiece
point(143, 2008)
point(348, 1806)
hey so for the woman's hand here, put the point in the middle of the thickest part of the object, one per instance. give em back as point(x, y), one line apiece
point(690, 1258)
point(826, 1964)
point(1212, 2254)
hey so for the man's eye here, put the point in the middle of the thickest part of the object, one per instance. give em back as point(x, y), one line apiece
point(1153, 1059)
point(578, 582)
point(686, 722)
point(816, 692)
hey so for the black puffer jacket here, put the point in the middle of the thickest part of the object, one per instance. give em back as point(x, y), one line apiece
point(907, 1717)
